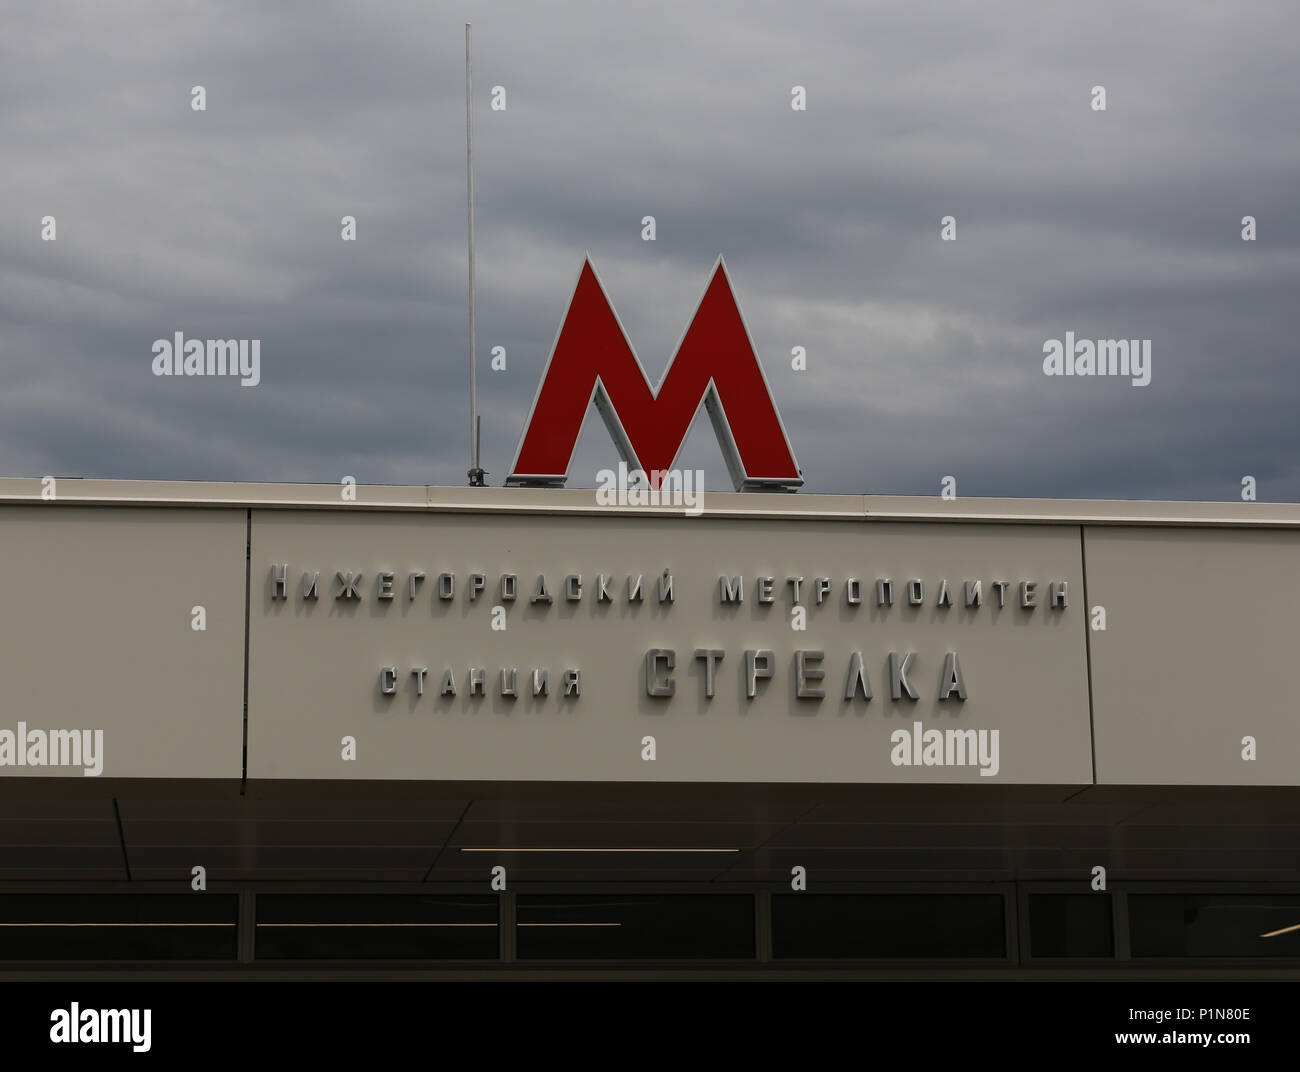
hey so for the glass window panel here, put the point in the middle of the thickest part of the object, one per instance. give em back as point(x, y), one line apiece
point(1214, 925)
point(1071, 925)
point(635, 926)
point(370, 927)
point(870, 926)
point(110, 926)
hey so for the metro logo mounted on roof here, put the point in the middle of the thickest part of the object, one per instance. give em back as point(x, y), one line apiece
point(715, 364)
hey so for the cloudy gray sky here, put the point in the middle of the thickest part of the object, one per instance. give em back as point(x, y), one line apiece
point(925, 357)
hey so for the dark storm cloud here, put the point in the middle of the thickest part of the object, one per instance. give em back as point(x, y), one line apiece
point(925, 357)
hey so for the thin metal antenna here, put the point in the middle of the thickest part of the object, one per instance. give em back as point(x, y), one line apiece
point(475, 473)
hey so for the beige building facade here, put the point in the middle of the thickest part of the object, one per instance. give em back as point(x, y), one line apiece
point(402, 688)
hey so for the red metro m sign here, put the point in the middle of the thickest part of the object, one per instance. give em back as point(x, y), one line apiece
point(715, 365)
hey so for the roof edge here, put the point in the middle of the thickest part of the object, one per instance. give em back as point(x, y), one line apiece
point(78, 491)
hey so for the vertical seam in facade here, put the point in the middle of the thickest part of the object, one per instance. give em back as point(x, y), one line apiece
point(248, 604)
point(1087, 649)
